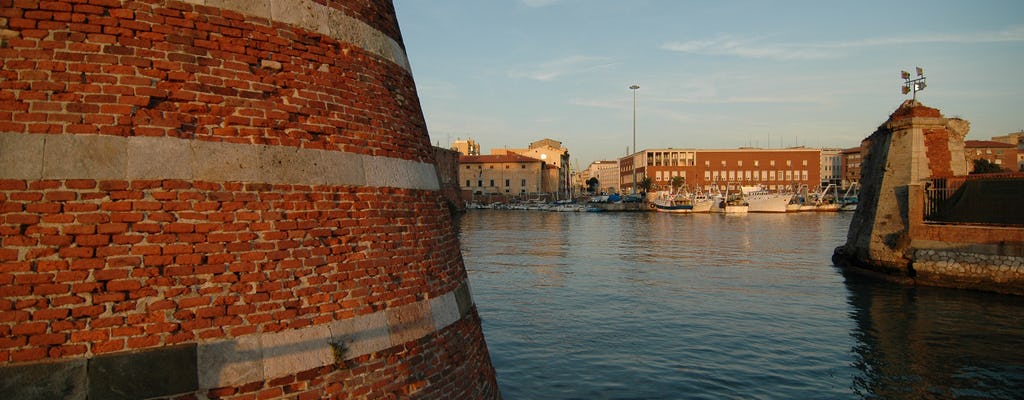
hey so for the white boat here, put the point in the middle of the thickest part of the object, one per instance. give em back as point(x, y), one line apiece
point(678, 203)
point(763, 200)
point(704, 202)
point(733, 203)
point(850, 199)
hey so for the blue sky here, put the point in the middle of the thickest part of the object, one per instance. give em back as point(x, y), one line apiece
point(712, 74)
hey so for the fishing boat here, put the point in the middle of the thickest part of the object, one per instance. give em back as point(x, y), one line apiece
point(761, 199)
point(669, 202)
point(850, 199)
point(733, 203)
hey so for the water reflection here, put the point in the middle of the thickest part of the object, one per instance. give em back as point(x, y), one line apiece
point(915, 343)
point(648, 305)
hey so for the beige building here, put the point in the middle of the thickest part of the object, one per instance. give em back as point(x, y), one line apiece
point(507, 174)
point(467, 147)
point(831, 166)
point(552, 153)
point(1017, 139)
point(606, 172)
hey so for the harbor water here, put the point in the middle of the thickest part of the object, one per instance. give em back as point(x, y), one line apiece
point(707, 306)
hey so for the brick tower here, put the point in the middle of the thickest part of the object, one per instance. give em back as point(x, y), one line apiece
point(223, 199)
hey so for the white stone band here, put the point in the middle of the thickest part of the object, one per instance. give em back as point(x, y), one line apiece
point(101, 157)
point(266, 356)
point(319, 18)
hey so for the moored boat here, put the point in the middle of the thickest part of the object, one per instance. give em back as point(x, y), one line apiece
point(763, 200)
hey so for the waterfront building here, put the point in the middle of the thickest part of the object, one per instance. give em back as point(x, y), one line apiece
point(851, 160)
point(467, 147)
point(775, 169)
point(552, 153)
point(999, 153)
point(831, 166)
point(506, 174)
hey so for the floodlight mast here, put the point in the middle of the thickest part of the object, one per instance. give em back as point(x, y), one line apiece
point(915, 84)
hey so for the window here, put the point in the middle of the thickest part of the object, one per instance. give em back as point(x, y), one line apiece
point(739, 163)
point(507, 184)
point(524, 183)
point(467, 167)
point(523, 166)
point(492, 182)
point(771, 163)
point(756, 163)
point(707, 163)
point(479, 183)
point(804, 174)
point(467, 182)
point(732, 175)
point(805, 163)
point(707, 175)
point(789, 163)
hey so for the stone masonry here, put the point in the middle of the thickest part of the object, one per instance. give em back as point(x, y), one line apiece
point(888, 236)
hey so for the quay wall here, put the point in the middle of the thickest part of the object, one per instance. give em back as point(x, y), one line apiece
point(889, 237)
point(223, 199)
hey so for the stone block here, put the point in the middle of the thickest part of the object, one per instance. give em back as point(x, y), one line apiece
point(159, 158)
point(445, 310)
point(217, 162)
point(393, 172)
point(21, 156)
point(290, 165)
point(46, 380)
point(361, 335)
point(409, 322)
point(342, 168)
point(84, 157)
point(230, 362)
point(291, 351)
point(464, 298)
point(138, 375)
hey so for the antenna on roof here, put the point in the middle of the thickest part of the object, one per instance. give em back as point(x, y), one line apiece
point(915, 84)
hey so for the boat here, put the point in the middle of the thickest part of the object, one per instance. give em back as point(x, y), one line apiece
point(760, 199)
point(669, 202)
point(734, 203)
point(704, 202)
point(850, 198)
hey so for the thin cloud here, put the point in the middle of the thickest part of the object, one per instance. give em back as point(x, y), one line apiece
point(728, 45)
point(539, 3)
point(554, 69)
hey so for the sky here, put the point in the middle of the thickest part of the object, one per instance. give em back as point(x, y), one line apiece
point(712, 74)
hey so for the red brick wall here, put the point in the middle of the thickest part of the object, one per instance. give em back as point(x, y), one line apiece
point(936, 143)
point(166, 68)
point(95, 267)
point(90, 267)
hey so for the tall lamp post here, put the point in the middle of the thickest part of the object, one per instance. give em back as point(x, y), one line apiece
point(634, 87)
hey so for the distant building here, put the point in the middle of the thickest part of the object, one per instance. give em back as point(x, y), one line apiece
point(607, 174)
point(508, 174)
point(831, 166)
point(552, 153)
point(775, 169)
point(1016, 138)
point(851, 161)
point(999, 153)
point(467, 147)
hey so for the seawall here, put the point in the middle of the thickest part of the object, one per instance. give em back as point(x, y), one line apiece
point(223, 199)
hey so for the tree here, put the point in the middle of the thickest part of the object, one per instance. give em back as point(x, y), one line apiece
point(677, 181)
point(593, 184)
point(645, 184)
point(983, 166)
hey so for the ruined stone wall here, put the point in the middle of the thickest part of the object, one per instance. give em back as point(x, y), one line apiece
point(225, 199)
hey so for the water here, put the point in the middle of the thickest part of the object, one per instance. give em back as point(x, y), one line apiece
point(659, 306)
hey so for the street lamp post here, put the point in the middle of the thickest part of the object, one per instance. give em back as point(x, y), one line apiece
point(634, 87)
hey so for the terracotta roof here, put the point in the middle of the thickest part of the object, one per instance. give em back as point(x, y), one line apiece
point(500, 158)
point(986, 143)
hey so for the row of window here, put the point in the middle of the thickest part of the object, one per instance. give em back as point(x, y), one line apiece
point(480, 183)
point(782, 175)
point(480, 166)
point(757, 163)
